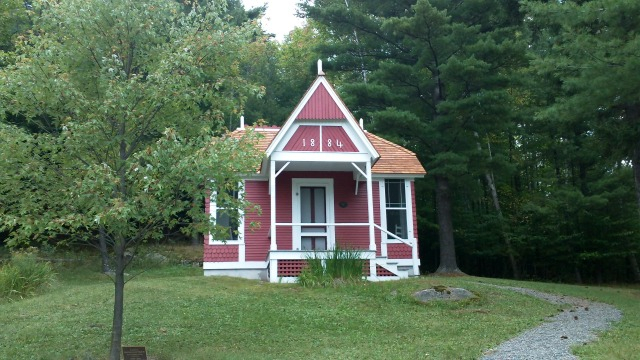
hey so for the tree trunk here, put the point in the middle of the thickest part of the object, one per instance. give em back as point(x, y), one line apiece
point(636, 172)
point(496, 204)
point(634, 267)
point(118, 301)
point(448, 263)
point(120, 262)
point(503, 230)
point(576, 270)
point(104, 254)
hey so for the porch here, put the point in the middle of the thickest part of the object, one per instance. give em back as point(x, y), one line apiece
point(284, 266)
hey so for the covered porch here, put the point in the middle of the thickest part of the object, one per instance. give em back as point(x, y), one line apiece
point(321, 202)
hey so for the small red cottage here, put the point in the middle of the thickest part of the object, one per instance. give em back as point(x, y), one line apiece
point(324, 182)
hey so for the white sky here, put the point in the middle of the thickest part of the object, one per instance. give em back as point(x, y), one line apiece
point(280, 17)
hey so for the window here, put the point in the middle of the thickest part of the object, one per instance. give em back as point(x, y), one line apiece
point(224, 215)
point(396, 208)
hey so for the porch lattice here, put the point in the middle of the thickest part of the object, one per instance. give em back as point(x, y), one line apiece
point(290, 268)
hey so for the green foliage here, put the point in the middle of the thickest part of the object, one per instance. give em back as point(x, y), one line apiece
point(13, 21)
point(25, 275)
point(115, 111)
point(334, 267)
point(118, 118)
point(285, 71)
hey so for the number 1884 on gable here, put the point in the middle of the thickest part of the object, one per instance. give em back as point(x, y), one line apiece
point(320, 138)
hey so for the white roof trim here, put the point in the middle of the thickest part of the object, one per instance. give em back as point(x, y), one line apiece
point(351, 120)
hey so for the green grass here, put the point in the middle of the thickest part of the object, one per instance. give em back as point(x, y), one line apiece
point(176, 313)
point(23, 275)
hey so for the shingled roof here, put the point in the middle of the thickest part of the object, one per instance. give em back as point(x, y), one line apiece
point(394, 159)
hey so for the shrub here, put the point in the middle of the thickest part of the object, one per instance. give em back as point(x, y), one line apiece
point(24, 275)
point(334, 267)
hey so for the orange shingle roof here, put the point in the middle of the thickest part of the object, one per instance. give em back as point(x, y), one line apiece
point(394, 159)
point(265, 135)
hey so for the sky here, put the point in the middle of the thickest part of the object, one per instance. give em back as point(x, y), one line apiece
point(280, 18)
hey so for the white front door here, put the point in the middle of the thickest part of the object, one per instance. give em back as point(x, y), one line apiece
point(313, 209)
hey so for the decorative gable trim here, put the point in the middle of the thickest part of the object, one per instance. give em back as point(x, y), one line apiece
point(321, 92)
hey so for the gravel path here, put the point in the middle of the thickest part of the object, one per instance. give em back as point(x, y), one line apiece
point(554, 339)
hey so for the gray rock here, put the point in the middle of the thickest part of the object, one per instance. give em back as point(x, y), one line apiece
point(443, 293)
point(156, 257)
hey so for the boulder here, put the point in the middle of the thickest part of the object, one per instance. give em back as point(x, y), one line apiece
point(440, 292)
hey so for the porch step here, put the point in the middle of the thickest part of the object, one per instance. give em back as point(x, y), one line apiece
point(388, 270)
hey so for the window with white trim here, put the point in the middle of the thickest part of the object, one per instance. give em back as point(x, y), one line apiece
point(226, 215)
point(396, 208)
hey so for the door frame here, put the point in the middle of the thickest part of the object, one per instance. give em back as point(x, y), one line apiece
point(296, 184)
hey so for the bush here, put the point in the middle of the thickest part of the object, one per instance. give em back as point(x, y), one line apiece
point(335, 267)
point(24, 275)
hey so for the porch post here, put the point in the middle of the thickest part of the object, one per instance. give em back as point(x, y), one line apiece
point(372, 237)
point(272, 192)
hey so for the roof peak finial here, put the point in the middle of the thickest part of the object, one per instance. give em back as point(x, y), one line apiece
point(320, 72)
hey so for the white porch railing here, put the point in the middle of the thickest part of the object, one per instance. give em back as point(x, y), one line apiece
point(413, 243)
point(368, 254)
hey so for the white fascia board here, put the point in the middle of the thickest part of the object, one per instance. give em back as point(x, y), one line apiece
point(234, 265)
point(309, 156)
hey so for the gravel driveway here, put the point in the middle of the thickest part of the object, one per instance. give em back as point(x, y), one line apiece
point(554, 339)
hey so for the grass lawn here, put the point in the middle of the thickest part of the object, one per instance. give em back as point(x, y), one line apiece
point(176, 313)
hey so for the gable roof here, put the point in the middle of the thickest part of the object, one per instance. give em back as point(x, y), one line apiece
point(321, 102)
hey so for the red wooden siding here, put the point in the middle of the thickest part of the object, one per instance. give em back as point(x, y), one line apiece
point(306, 138)
point(351, 237)
point(335, 139)
point(320, 138)
point(257, 240)
point(398, 251)
point(321, 106)
point(220, 253)
point(283, 211)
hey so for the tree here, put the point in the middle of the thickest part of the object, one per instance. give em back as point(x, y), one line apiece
point(285, 70)
point(13, 20)
point(437, 74)
point(590, 48)
point(128, 100)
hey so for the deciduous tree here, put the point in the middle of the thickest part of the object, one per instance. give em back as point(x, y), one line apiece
point(127, 101)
